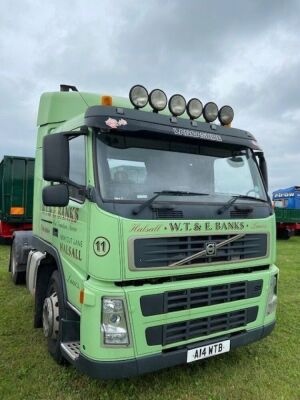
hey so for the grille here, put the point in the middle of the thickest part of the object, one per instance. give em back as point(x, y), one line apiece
point(160, 213)
point(185, 330)
point(240, 213)
point(186, 299)
point(164, 251)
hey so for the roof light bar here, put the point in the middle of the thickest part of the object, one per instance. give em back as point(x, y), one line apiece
point(157, 99)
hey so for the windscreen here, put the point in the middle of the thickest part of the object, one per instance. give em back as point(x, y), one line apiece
point(134, 169)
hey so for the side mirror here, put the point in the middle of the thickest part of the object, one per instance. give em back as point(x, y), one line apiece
point(263, 168)
point(56, 195)
point(236, 162)
point(56, 158)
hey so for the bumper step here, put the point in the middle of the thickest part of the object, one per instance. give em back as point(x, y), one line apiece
point(72, 349)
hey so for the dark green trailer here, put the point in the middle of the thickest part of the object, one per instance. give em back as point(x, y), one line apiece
point(287, 222)
point(16, 194)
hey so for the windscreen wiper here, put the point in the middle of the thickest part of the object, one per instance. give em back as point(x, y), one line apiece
point(235, 198)
point(147, 203)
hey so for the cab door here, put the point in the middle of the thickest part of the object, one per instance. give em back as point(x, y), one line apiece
point(72, 222)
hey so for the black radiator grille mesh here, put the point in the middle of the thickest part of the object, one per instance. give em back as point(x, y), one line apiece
point(186, 299)
point(164, 251)
point(185, 330)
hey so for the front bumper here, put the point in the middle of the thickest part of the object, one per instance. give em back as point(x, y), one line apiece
point(142, 365)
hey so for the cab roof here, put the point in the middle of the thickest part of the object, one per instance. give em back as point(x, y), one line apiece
point(57, 107)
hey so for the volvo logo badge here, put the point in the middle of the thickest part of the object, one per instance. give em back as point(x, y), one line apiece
point(210, 248)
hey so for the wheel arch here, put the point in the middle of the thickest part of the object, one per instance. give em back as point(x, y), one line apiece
point(49, 263)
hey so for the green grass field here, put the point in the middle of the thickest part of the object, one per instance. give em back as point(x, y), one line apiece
point(269, 369)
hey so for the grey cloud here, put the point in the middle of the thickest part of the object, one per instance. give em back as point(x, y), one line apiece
point(188, 47)
point(278, 94)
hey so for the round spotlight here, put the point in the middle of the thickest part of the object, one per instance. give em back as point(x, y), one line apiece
point(210, 112)
point(226, 115)
point(177, 105)
point(194, 108)
point(138, 96)
point(158, 100)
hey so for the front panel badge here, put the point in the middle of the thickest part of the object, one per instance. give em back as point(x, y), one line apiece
point(101, 246)
point(210, 248)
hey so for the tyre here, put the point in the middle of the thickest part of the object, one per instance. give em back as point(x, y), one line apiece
point(284, 234)
point(53, 312)
point(287, 233)
point(18, 277)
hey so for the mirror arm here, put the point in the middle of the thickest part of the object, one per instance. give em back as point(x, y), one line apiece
point(84, 131)
point(85, 191)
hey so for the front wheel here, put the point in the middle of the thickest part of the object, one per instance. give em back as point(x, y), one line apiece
point(53, 312)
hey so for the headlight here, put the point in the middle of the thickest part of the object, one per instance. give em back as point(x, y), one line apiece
point(194, 108)
point(226, 115)
point(114, 324)
point(158, 100)
point(138, 96)
point(177, 105)
point(210, 112)
point(272, 296)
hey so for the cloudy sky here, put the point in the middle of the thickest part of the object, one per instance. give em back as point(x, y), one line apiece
point(245, 53)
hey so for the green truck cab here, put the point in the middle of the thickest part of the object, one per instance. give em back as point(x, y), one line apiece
point(153, 239)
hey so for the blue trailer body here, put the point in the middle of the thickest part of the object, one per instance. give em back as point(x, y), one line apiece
point(287, 211)
point(287, 198)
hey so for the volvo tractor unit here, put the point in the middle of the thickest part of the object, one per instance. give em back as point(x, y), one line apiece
point(153, 239)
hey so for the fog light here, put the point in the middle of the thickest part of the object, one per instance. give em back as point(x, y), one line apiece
point(138, 96)
point(194, 108)
point(158, 100)
point(210, 112)
point(177, 105)
point(114, 325)
point(226, 115)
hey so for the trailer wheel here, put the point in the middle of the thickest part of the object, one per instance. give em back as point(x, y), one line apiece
point(286, 234)
point(53, 312)
point(18, 277)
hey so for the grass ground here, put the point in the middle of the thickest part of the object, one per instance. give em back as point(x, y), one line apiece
point(269, 369)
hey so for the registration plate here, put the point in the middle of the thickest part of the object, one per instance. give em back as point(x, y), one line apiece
point(209, 350)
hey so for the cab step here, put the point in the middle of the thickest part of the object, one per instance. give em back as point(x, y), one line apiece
point(72, 349)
